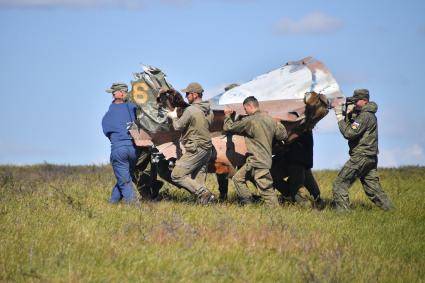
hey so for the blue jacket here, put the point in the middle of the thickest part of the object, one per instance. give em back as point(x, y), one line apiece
point(114, 124)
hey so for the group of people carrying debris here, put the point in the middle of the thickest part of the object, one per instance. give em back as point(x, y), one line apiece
point(260, 130)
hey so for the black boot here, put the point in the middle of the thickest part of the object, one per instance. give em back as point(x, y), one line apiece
point(223, 183)
point(318, 203)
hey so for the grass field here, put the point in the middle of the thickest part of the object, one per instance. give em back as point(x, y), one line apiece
point(57, 226)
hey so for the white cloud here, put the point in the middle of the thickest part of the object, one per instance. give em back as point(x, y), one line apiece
point(126, 4)
point(176, 2)
point(316, 22)
point(394, 157)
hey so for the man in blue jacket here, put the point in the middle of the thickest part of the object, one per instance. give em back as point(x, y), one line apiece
point(123, 152)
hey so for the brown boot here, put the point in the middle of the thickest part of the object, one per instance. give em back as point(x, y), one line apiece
point(204, 196)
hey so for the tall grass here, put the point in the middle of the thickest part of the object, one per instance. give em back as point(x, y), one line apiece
point(57, 226)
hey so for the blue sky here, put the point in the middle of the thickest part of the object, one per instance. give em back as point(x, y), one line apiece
point(58, 57)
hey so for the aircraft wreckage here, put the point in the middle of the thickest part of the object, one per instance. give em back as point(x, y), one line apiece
point(297, 94)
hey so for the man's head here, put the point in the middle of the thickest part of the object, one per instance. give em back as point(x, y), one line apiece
point(119, 90)
point(251, 105)
point(360, 97)
point(193, 92)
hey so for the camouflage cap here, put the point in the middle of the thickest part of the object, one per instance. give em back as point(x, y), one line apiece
point(230, 86)
point(361, 93)
point(117, 86)
point(193, 87)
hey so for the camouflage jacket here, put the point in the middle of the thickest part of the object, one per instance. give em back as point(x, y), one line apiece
point(194, 124)
point(259, 130)
point(361, 131)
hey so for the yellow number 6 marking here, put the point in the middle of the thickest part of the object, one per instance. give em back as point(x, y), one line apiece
point(140, 92)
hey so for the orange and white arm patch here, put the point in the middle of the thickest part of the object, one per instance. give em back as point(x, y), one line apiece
point(355, 125)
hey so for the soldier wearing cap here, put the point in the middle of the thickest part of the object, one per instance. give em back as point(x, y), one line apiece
point(123, 152)
point(190, 170)
point(259, 130)
point(360, 128)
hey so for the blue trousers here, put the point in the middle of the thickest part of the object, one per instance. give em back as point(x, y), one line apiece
point(123, 160)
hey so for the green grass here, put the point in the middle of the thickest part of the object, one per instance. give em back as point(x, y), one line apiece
point(57, 226)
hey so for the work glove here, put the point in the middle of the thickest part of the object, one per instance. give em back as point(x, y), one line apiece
point(338, 106)
point(338, 112)
point(172, 114)
point(228, 110)
point(350, 108)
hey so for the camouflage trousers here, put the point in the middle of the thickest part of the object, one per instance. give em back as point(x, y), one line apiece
point(146, 174)
point(262, 180)
point(364, 168)
point(190, 171)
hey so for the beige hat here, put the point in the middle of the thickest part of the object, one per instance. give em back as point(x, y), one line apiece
point(193, 87)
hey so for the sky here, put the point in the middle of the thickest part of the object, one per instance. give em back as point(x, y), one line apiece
point(57, 57)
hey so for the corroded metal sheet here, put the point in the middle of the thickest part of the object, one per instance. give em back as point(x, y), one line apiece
point(228, 149)
point(281, 91)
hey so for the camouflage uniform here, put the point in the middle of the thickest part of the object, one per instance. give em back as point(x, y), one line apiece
point(259, 130)
point(190, 170)
point(146, 172)
point(361, 131)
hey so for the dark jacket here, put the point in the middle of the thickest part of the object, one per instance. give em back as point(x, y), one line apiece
point(301, 151)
